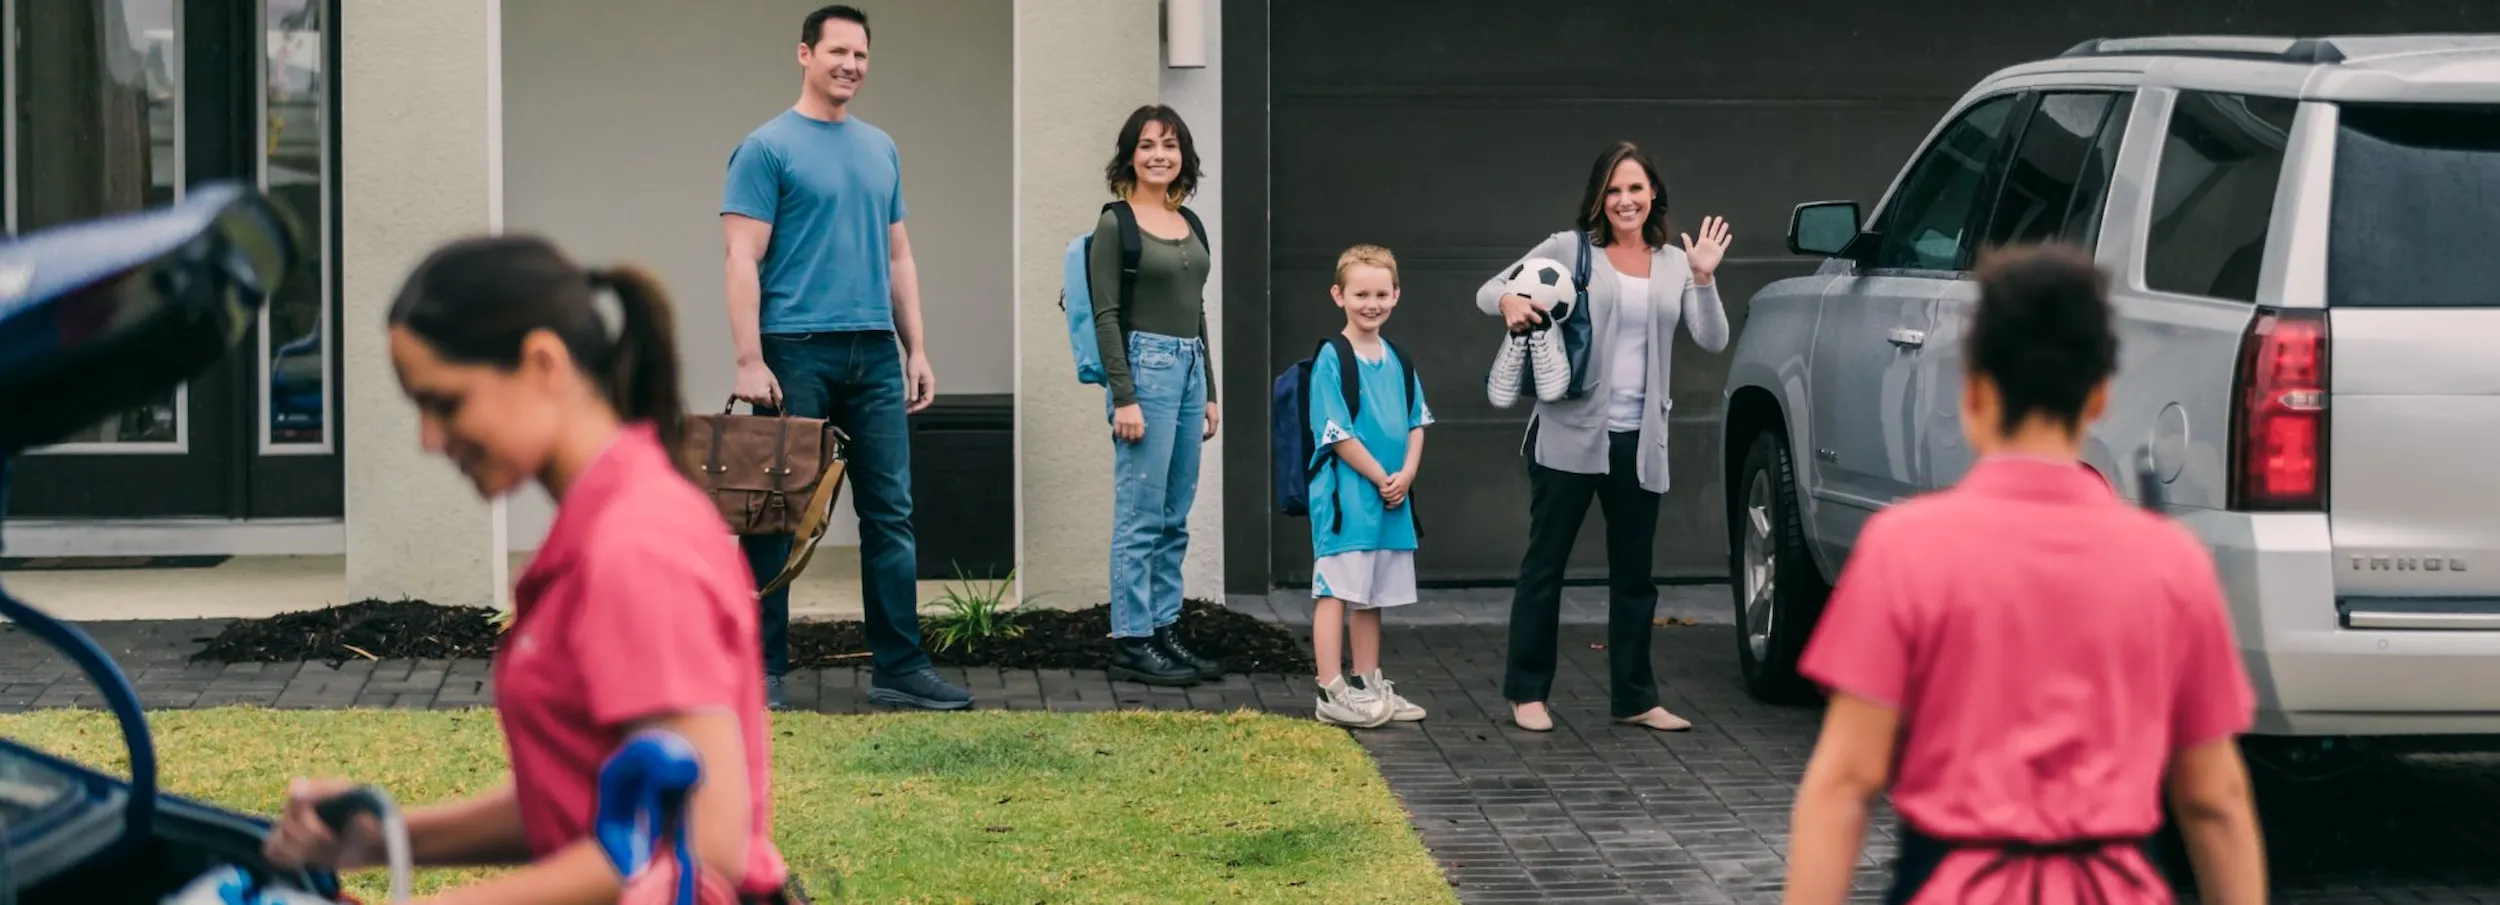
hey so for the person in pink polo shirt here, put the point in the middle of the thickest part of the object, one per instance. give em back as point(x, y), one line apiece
point(637, 612)
point(2027, 660)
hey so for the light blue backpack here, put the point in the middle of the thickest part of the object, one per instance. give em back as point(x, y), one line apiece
point(1076, 290)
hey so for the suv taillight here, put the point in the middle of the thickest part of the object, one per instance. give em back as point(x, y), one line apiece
point(2278, 419)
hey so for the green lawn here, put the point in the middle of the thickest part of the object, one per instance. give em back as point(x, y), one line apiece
point(973, 807)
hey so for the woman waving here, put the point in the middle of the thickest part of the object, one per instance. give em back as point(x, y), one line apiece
point(1607, 443)
point(2025, 658)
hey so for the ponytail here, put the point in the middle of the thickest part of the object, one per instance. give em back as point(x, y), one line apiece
point(475, 299)
point(641, 369)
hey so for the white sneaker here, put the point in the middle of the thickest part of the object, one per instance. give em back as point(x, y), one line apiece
point(1400, 709)
point(1346, 705)
point(1501, 385)
point(1550, 369)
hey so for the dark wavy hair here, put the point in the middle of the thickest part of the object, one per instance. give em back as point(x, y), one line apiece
point(1654, 231)
point(2042, 330)
point(1121, 173)
point(473, 300)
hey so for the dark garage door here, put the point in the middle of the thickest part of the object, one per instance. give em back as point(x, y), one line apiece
point(1459, 133)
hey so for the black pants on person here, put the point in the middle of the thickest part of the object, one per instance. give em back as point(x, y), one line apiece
point(1558, 504)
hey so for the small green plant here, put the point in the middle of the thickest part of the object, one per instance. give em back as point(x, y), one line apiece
point(966, 617)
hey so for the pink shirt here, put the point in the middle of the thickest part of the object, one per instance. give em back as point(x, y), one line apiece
point(2049, 646)
point(639, 604)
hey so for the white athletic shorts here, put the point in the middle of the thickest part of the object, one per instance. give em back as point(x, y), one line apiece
point(1366, 579)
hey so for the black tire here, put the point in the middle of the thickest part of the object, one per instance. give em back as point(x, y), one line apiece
point(1768, 481)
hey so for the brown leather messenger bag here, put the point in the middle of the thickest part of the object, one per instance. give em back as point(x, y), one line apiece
point(768, 474)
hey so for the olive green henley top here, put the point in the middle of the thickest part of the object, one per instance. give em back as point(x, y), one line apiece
point(1169, 298)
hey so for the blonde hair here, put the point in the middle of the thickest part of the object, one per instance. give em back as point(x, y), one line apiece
point(1367, 254)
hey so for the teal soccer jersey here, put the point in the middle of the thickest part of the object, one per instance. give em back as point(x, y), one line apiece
point(1338, 490)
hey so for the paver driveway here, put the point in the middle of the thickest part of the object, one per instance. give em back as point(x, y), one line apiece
point(1591, 812)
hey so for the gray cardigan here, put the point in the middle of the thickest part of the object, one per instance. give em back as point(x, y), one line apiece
point(1572, 436)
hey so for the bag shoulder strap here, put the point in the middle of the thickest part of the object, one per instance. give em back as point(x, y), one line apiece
point(1580, 272)
point(1407, 368)
point(1131, 250)
point(813, 520)
point(1349, 375)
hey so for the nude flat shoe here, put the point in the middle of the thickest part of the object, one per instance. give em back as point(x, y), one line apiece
point(1542, 720)
point(1658, 718)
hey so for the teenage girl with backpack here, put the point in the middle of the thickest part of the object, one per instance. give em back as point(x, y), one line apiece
point(1159, 389)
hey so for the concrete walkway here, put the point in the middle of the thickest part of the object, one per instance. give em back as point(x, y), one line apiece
point(257, 587)
point(1591, 812)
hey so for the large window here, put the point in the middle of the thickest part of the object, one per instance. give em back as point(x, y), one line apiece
point(115, 106)
point(2417, 207)
point(2213, 194)
point(1929, 226)
point(295, 397)
point(96, 128)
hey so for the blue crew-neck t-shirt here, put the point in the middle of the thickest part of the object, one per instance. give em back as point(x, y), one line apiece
point(1338, 490)
point(832, 191)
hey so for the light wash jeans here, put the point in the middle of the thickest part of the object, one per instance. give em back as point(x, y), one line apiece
point(1154, 480)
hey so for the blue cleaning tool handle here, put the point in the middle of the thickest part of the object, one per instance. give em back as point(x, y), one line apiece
point(643, 790)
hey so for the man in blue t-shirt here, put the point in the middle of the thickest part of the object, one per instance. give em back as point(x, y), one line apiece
point(824, 311)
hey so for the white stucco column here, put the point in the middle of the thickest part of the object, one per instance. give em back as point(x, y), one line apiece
point(416, 141)
point(1198, 94)
point(1081, 66)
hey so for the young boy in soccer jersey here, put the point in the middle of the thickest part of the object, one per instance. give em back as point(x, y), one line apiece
point(1362, 530)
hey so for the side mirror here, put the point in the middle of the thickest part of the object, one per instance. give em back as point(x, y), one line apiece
point(1822, 228)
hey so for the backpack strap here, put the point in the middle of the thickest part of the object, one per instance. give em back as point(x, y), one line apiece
point(1131, 249)
point(1408, 365)
point(1197, 229)
point(1349, 381)
point(1349, 375)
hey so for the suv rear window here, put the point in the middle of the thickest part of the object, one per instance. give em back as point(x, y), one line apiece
point(2416, 219)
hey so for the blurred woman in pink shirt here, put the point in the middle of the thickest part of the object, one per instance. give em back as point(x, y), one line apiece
point(637, 612)
point(2026, 659)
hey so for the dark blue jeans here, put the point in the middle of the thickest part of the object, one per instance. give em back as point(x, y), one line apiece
point(854, 379)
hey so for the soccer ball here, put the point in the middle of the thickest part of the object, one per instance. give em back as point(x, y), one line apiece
point(1544, 281)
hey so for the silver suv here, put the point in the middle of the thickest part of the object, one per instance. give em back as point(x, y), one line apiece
point(2304, 240)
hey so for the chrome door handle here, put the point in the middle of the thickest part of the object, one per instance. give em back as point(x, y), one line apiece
point(1907, 338)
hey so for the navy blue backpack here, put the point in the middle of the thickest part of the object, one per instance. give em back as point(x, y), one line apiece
point(1289, 424)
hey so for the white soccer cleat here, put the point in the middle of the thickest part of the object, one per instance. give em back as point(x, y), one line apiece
point(1501, 385)
point(1547, 365)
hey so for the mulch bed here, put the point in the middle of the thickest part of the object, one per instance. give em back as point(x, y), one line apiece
point(368, 629)
point(1051, 639)
point(1076, 639)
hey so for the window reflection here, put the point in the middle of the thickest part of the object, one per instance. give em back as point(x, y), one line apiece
point(98, 132)
point(295, 172)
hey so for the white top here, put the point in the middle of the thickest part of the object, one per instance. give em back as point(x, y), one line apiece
point(1627, 371)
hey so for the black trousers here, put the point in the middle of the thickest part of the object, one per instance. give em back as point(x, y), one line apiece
point(1558, 504)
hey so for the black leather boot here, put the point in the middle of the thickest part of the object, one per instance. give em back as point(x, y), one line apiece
point(1142, 660)
point(1169, 638)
